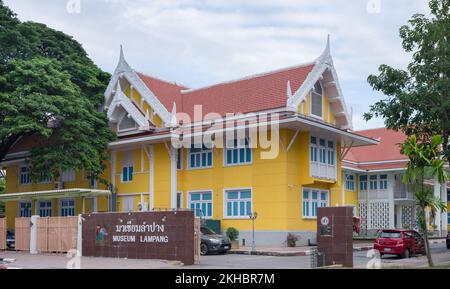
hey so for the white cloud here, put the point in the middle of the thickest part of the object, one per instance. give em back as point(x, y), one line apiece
point(202, 42)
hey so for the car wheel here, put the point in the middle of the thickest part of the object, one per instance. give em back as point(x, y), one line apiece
point(406, 254)
point(203, 249)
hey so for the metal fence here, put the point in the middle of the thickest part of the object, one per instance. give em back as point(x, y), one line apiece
point(317, 259)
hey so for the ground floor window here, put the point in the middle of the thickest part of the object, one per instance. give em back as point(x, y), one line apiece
point(25, 209)
point(312, 199)
point(448, 218)
point(179, 200)
point(67, 208)
point(201, 203)
point(238, 203)
point(45, 208)
point(127, 204)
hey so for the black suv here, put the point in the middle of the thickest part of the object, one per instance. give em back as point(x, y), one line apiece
point(448, 241)
point(10, 240)
point(211, 242)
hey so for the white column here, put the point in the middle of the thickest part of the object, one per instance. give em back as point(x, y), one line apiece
point(391, 184)
point(113, 177)
point(173, 177)
point(444, 218)
point(33, 234)
point(151, 158)
point(79, 236)
point(437, 193)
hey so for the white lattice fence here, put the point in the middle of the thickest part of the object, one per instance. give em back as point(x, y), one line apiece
point(379, 215)
point(407, 216)
point(363, 215)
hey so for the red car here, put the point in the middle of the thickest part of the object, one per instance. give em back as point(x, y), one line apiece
point(400, 242)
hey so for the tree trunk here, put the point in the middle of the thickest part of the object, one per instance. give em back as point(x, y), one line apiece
point(427, 243)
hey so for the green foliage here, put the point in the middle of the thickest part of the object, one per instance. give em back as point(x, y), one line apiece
point(425, 161)
point(2, 191)
point(51, 90)
point(232, 233)
point(418, 100)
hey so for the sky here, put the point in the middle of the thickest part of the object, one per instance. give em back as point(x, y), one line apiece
point(199, 43)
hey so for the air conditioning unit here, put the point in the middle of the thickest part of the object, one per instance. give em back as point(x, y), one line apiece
point(142, 207)
point(59, 185)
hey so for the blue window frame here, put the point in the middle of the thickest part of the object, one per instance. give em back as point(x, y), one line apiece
point(67, 208)
point(363, 183)
point(201, 204)
point(312, 199)
point(373, 182)
point(322, 151)
point(238, 203)
point(238, 152)
point(25, 175)
point(350, 183)
point(127, 174)
point(25, 209)
point(200, 157)
point(313, 147)
point(45, 208)
point(383, 182)
point(448, 218)
point(330, 153)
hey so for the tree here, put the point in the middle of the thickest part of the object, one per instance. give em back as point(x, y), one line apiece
point(2, 190)
point(418, 100)
point(425, 161)
point(50, 90)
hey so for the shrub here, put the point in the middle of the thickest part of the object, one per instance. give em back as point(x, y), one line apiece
point(291, 240)
point(232, 233)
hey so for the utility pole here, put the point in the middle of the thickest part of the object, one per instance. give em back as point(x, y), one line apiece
point(252, 217)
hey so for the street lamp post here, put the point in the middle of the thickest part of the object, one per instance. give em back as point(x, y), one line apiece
point(252, 217)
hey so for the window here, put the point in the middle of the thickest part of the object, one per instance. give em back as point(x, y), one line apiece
point(373, 182)
point(312, 199)
point(127, 167)
point(322, 158)
point(180, 159)
point(448, 218)
point(45, 208)
point(313, 152)
point(316, 100)
point(67, 208)
point(127, 124)
point(68, 176)
point(44, 178)
point(25, 209)
point(350, 183)
point(179, 200)
point(383, 182)
point(238, 152)
point(238, 203)
point(127, 203)
point(201, 204)
point(25, 175)
point(363, 183)
point(200, 157)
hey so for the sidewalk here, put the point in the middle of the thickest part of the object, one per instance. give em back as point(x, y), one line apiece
point(302, 250)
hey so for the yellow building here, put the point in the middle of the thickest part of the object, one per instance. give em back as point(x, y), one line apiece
point(270, 143)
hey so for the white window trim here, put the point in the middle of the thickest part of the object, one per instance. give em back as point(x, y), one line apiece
point(188, 204)
point(318, 200)
point(383, 180)
point(366, 181)
point(22, 202)
point(238, 164)
point(182, 206)
point(354, 182)
point(311, 101)
point(318, 146)
point(132, 196)
point(67, 199)
point(20, 176)
point(225, 216)
point(121, 174)
point(188, 163)
point(39, 207)
point(70, 180)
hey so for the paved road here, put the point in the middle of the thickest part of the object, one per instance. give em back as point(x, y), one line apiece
point(360, 259)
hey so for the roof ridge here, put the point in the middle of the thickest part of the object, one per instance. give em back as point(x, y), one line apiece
point(253, 76)
point(375, 128)
point(162, 80)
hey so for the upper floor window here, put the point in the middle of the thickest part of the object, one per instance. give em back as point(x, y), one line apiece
point(127, 167)
point(363, 183)
point(45, 178)
point(67, 208)
point(127, 123)
point(316, 100)
point(200, 157)
point(322, 158)
point(313, 150)
point(238, 152)
point(68, 176)
point(373, 182)
point(45, 208)
point(25, 175)
point(383, 182)
point(350, 183)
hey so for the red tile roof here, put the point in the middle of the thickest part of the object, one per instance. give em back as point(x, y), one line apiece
point(387, 150)
point(255, 93)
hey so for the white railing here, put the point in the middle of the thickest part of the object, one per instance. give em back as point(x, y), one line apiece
point(403, 195)
point(373, 195)
point(323, 171)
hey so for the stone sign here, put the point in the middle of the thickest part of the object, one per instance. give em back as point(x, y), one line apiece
point(167, 235)
point(335, 235)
